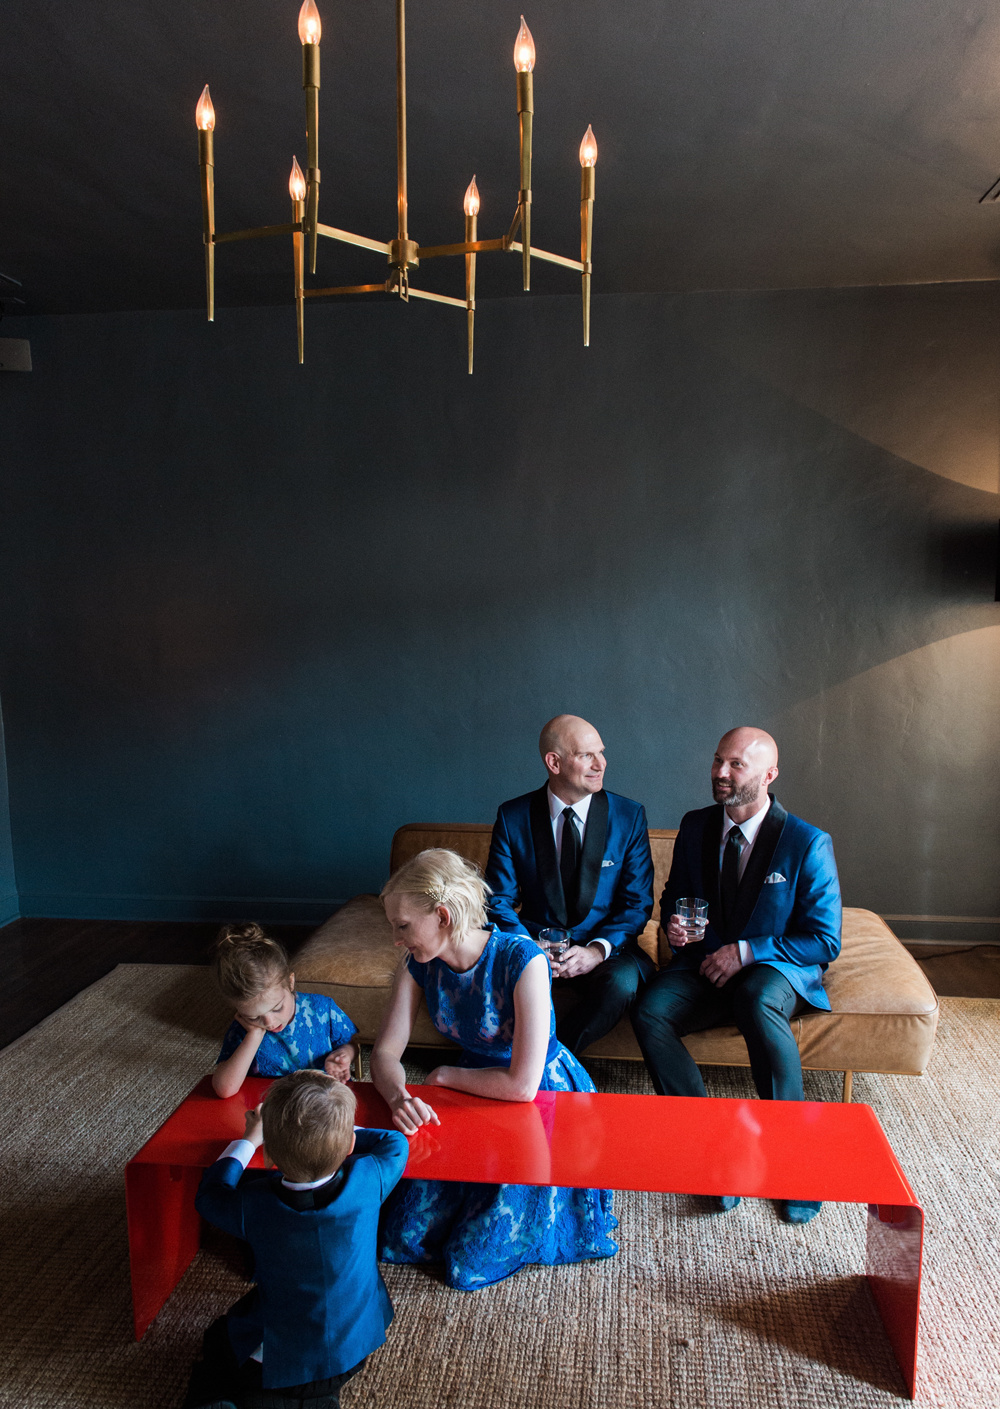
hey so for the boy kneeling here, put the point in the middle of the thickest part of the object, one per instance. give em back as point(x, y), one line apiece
point(320, 1305)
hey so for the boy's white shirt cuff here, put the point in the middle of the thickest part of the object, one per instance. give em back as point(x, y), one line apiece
point(241, 1150)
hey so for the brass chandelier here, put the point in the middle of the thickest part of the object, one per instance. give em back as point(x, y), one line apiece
point(403, 253)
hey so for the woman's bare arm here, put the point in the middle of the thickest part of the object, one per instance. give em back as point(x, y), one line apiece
point(409, 1113)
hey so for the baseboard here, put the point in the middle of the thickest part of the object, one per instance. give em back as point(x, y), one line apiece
point(10, 909)
point(288, 910)
point(946, 929)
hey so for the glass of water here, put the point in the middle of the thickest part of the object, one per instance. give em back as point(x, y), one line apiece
point(693, 914)
point(555, 943)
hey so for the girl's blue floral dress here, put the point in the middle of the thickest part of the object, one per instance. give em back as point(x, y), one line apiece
point(484, 1232)
point(316, 1028)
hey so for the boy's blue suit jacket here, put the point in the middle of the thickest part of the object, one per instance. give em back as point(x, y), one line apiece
point(788, 904)
point(321, 1305)
point(616, 870)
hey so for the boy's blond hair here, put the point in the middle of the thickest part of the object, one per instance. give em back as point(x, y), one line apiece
point(308, 1125)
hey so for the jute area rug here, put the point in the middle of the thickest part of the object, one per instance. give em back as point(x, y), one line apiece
point(696, 1310)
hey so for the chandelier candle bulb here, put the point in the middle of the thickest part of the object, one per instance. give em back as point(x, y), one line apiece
point(204, 117)
point(310, 31)
point(524, 63)
point(588, 161)
point(471, 207)
point(297, 191)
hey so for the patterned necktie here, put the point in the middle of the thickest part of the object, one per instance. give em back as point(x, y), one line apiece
point(569, 859)
point(730, 883)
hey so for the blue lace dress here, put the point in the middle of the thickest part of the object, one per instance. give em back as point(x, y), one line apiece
point(484, 1232)
point(315, 1029)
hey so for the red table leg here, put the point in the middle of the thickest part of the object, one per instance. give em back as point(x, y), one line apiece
point(893, 1262)
point(164, 1231)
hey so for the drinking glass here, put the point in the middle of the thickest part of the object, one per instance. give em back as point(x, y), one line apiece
point(555, 943)
point(693, 914)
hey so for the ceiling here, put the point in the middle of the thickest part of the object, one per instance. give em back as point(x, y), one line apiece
point(743, 143)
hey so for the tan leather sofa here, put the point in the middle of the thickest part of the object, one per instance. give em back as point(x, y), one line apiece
point(884, 1012)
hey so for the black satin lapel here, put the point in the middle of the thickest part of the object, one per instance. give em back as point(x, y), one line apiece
point(594, 841)
point(545, 855)
point(711, 840)
point(757, 868)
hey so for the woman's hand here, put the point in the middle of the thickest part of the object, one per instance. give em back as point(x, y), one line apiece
point(409, 1113)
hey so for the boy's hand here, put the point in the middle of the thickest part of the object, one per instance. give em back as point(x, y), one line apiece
point(338, 1062)
point(254, 1131)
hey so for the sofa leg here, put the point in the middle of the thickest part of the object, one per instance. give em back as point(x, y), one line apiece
point(848, 1084)
point(358, 1067)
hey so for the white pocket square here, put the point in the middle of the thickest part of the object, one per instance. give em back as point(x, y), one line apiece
point(607, 863)
point(776, 879)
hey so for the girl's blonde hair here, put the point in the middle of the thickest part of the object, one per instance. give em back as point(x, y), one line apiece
point(440, 877)
point(245, 962)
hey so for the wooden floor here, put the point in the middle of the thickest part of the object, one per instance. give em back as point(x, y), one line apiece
point(47, 962)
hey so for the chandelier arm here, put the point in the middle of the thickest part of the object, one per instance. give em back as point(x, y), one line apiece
point(401, 118)
point(259, 232)
point(469, 247)
point(298, 261)
point(436, 298)
point(561, 259)
point(362, 241)
point(206, 158)
point(310, 85)
point(515, 225)
point(349, 289)
point(471, 230)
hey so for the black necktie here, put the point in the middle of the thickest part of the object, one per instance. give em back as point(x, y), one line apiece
point(730, 883)
point(569, 859)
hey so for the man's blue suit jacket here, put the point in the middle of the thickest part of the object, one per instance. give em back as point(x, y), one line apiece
point(321, 1305)
point(788, 904)
point(616, 870)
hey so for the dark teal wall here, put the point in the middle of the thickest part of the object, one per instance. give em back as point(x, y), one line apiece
point(263, 614)
point(8, 883)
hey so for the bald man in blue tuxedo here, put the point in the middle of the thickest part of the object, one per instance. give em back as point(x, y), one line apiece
point(774, 918)
point(575, 857)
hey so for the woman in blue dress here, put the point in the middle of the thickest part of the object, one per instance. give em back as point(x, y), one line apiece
point(489, 992)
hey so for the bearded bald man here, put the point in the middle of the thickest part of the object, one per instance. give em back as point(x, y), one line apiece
point(774, 916)
point(575, 857)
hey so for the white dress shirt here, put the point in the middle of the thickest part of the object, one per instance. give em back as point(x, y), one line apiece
point(556, 809)
point(749, 828)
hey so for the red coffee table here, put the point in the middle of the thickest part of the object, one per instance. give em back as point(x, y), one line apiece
point(663, 1144)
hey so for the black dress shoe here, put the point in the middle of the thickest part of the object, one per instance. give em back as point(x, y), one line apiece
point(723, 1203)
point(798, 1210)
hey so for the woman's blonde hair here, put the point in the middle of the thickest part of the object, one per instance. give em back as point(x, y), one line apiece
point(245, 962)
point(441, 877)
point(308, 1124)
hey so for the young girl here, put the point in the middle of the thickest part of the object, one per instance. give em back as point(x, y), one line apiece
point(276, 1030)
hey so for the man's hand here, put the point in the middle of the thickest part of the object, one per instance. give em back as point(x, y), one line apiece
point(677, 935)
point(720, 965)
point(254, 1131)
point(409, 1113)
point(338, 1062)
point(578, 959)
